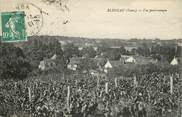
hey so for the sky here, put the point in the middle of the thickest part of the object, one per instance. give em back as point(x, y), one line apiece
point(90, 18)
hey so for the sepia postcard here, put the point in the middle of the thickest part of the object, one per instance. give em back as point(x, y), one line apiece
point(90, 58)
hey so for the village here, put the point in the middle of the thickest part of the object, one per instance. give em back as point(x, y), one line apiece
point(102, 61)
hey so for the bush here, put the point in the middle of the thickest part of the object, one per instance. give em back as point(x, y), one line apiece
point(13, 63)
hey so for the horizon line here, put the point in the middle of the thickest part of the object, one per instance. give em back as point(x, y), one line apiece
point(109, 37)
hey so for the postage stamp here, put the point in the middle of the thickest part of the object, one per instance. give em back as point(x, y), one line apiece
point(13, 26)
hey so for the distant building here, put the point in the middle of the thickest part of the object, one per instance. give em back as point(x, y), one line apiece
point(47, 63)
point(63, 44)
point(174, 61)
point(180, 44)
point(72, 67)
point(107, 65)
point(73, 64)
point(130, 60)
point(137, 60)
point(80, 48)
point(127, 59)
point(95, 48)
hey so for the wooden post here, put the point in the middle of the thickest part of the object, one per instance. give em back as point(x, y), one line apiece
point(106, 87)
point(68, 96)
point(101, 93)
point(29, 94)
point(15, 86)
point(171, 84)
point(116, 83)
point(135, 81)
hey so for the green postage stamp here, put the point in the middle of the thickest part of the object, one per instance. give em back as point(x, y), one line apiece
point(13, 26)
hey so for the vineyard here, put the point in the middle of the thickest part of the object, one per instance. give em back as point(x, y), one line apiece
point(149, 95)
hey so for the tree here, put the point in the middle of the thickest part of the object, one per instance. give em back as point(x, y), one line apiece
point(179, 51)
point(87, 64)
point(122, 50)
point(13, 63)
point(37, 50)
point(88, 52)
point(143, 50)
point(167, 52)
point(113, 54)
point(134, 51)
point(71, 50)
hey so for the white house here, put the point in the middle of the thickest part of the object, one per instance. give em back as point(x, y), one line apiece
point(107, 65)
point(47, 63)
point(42, 65)
point(80, 48)
point(174, 61)
point(130, 60)
point(73, 64)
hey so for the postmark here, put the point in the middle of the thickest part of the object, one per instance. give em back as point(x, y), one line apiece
point(13, 26)
point(33, 17)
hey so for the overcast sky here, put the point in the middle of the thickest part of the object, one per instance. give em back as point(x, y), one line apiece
point(89, 18)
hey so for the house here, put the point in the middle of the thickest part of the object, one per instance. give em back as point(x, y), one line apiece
point(130, 60)
point(180, 44)
point(73, 64)
point(63, 44)
point(47, 63)
point(174, 61)
point(127, 59)
point(95, 48)
point(80, 48)
point(108, 65)
point(103, 63)
point(137, 60)
point(72, 67)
